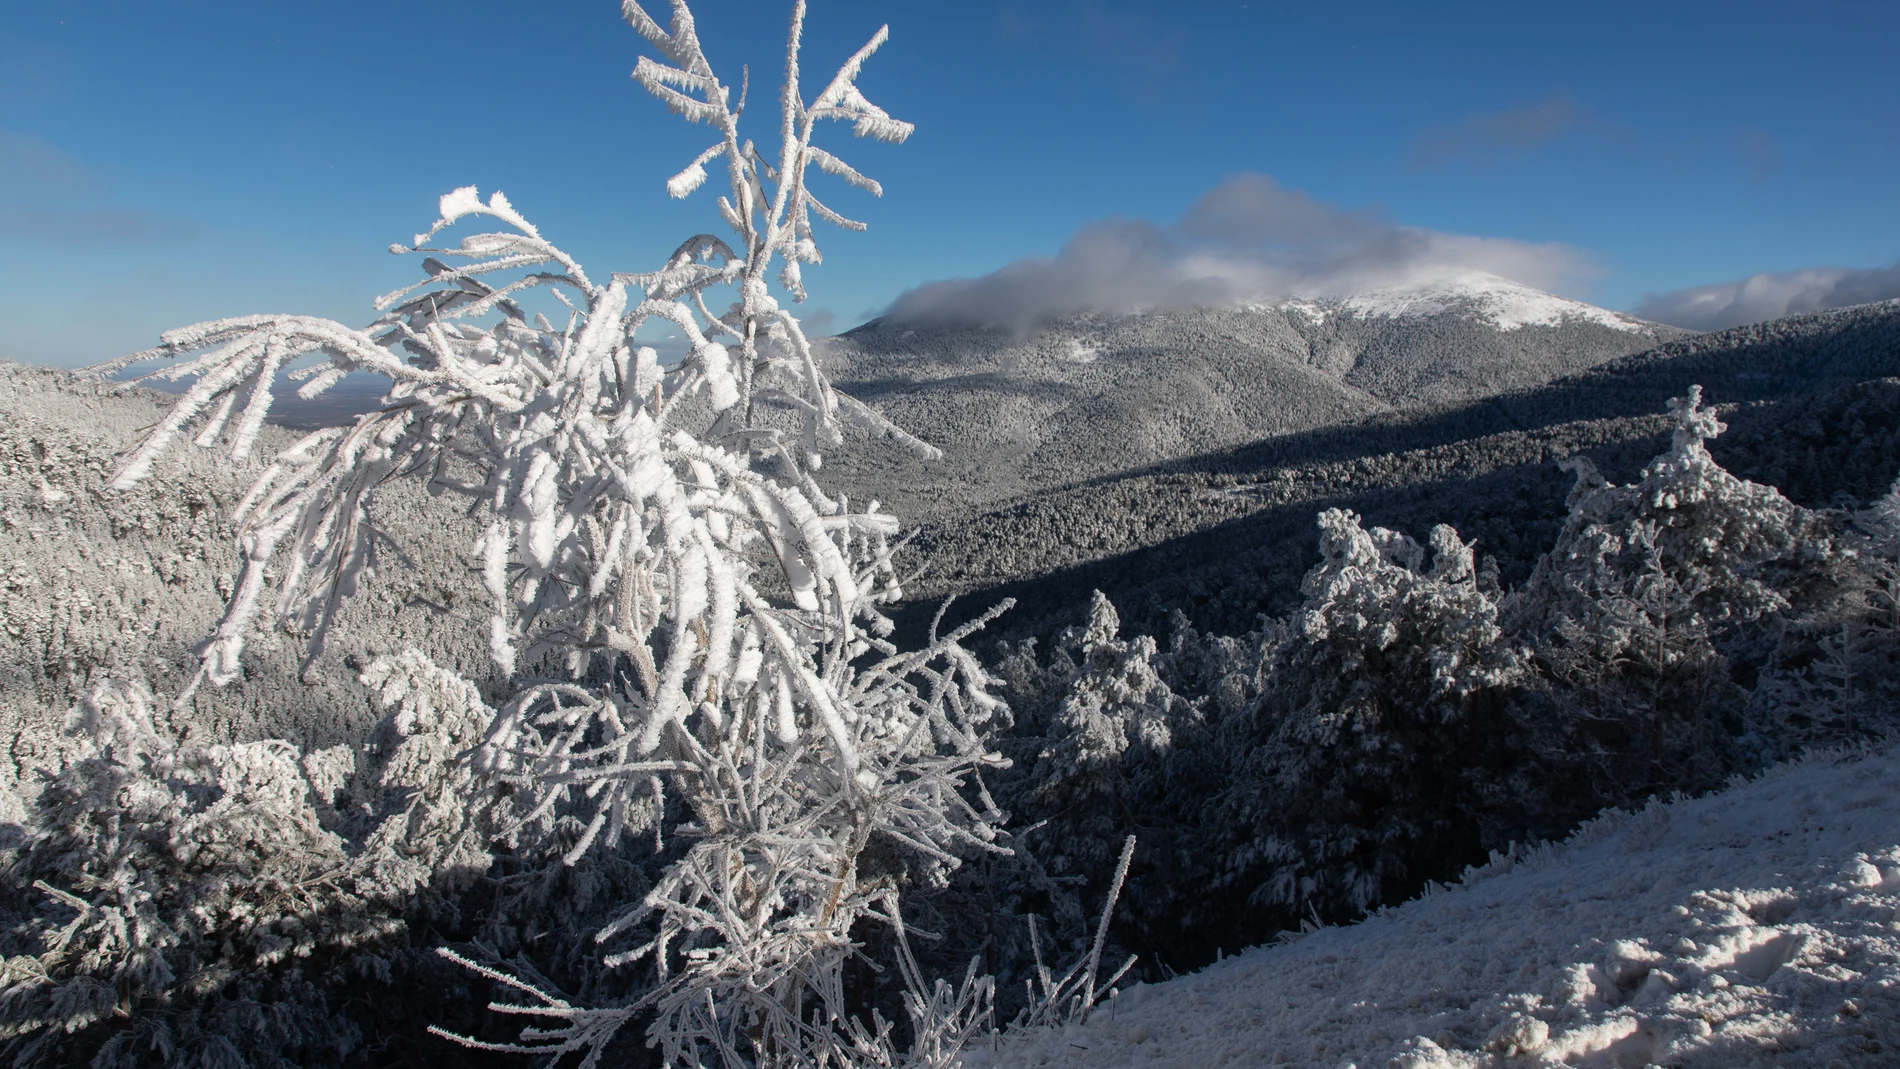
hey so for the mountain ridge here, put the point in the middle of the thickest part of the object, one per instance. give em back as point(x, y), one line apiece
point(1813, 404)
point(1091, 394)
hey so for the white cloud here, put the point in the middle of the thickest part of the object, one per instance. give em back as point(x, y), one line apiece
point(1247, 240)
point(1770, 296)
point(816, 322)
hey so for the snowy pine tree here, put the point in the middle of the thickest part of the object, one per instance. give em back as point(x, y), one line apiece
point(1101, 767)
point(1648, 587)
point(1356, 755)
point(1109, 742)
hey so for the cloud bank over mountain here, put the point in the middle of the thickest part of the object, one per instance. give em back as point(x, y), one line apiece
point(1247, 240)
point(1766, 296)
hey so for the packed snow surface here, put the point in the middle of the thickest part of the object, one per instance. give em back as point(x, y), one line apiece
point(1509, 305)
point(1753, 927)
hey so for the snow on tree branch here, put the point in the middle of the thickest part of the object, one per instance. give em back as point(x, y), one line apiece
point(656, 533)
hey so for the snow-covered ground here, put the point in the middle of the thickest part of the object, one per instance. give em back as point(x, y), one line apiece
point(1759, 926)
point(1510, 305)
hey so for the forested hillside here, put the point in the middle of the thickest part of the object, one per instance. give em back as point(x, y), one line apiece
point(1099, 395)
point(98, 578)
point(1223, 536)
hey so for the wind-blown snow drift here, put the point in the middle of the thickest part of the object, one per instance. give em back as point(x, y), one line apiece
point(1753, 927)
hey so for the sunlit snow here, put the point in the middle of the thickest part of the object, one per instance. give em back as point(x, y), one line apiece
point(1753, 927)
point(1508, 304)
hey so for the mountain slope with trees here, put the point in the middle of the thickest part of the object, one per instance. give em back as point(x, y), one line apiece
point(1100, 394)
point(1814, 402)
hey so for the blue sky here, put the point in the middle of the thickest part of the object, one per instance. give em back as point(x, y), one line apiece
point(166, 163)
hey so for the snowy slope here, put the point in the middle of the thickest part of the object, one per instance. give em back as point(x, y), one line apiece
point(1754, 927)
point(1505, 304)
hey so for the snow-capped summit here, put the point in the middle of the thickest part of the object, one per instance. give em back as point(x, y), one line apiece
point(1505, 304)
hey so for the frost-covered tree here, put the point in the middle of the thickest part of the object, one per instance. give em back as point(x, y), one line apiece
point(1111, 731)
point(1834, 675)
point(1880, 573)
point(175, 895)
point(1648, 585)
point(1357, 754)
point(655, 533)
point(1099, 766)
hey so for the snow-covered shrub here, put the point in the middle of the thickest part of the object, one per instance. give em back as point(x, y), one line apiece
point(1834, 675)
point(167, 901)
point(415, 807)
point(656, 532)
point(1378, 710)
point(1057, 1001)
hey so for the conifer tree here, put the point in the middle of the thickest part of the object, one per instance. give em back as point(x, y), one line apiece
point(1632, 608)
point(1360, 741)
